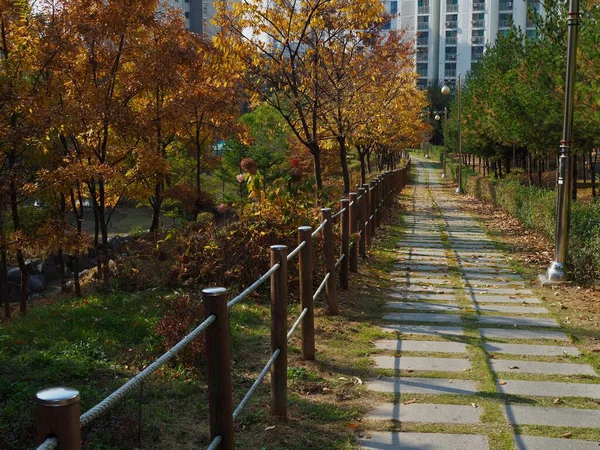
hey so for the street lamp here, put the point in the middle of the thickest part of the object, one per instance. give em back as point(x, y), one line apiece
point(556, 271)
point(459, 189)
point(438, 118)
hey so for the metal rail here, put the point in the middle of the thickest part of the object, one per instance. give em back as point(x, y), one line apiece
point(215, 443)
point(338, 214)
point(319, 228)
point(296, 250)
point(49, 444)
point(96, 411)
point(256, 383)
point(318, 291)
point(249, 290)
point(296, 323)
point(339, 261)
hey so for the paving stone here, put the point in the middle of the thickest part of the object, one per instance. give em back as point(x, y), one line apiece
point(528, 349)
point(424, 280)
point(515, 333)
point(425, 413)
point(404, 345)
point(422, 363)
point(513, 309)
point(435, 268)
point(485, 276)
point(422, 317)
point(385, 440)
point(498, 291)
point(545, 443)
point(482, 298)
point(554, 417)
point(504, 365)
point(429, 296)
point(518, 321)
point(425, 330)
point(549, 389)
point(422, 306)
point(410, 385)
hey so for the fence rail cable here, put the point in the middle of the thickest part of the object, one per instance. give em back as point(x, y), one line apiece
point(372, 216)
point(359, 197)
point(319, 228)
point(49, 444)
point(322, 286)
point(296, 250)
point(338, 214)
point(351, 204)
point(249, 290)
point(215, 443)
point(360, 233)
point(366, 224)
point(339, 261)
point(96, 411)
point(296, 323)
point(255, 385)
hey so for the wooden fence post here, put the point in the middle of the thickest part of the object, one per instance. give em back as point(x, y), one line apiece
point(373, 206)
point(367, 214)
point(57, 414)
point(345, 229)
point(330, 286)
point(305, 266)
point(377, 202)
point(353, 229)
point(362, 218)
point(279, 331)
point(218, 363)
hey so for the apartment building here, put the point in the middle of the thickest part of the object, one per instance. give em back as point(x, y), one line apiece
point(450, 35)
point(198, 14)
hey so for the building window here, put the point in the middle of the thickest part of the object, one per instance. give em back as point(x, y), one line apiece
point(450, 53)
point(387, 25)
point(187, 15)
point(451, 37)
point(532, 34)
point(505, 20)
point(450, 70)
point(451, 6)
point(505, 6)
point(393, 7)
point(423, 7)
point(422, 54)
point(422, 22)
point(476, 53)
point(479, 6)
point(451, 21)
point(423, 38)
point(422, 70)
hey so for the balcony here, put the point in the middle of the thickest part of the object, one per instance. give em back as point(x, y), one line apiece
point(450, 57)
point(477, 23)
point(450, 73)
point(422, 25)
point(422, 73)
point(422, 57)
point(478, 6)
point(451, 8)
point(451, 25)
point(478, 40)
point(505, 6)
point(422, 41)
point(451, 40)
point(504, 23)
point(423, 10)
point(475, 56)
point(530, 23)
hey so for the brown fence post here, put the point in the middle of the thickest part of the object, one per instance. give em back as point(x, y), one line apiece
point(373, 206)
point(279, 331)
point(305, 266)
point(376, 206)
point(345, 228)
point(218, 363)
point(367, 215)
point(353, 230)
point(332, 303)
point(380, 198)
point(362, 218)
point(57, 414)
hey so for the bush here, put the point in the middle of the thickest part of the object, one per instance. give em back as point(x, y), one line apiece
point(536, 209)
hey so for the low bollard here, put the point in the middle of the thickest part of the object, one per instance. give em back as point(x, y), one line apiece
point(279, 331)
point(305, 266)
point(57, 414)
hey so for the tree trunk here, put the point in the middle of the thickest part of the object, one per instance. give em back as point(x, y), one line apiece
point(20, 259)
point(156, 203)
point(4, 282)
point(61, 264)
point(344, 163)
point(574, 192)
point(362, 156)
point(593, 175)
point(583, 168)
point(316, 153)
point(76, 281)
point(79, 215)
point(104, 231)
point(499, 164)
point(369, 160)
point(529, 169)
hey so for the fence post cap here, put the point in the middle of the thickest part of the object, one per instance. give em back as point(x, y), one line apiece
point(57, 396)
point(304, 228)
point(353, 193)
point(325, 209)
point(278, 247)
point(345, 200)
point(213, 291)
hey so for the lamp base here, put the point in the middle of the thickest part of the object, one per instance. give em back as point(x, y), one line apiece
point(459, 190)
point(444, 176)
point(554, 275)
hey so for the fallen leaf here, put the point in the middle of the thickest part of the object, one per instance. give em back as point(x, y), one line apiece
point(410, 402)
point(502, 382)
point(473, 405)
point(354, 426)
point(568, 434)
point(513, 367)
point(557, 401)
point(272, 427)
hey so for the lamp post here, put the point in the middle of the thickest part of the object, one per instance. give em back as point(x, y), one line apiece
point(556, 271)
point(438, 118)
point(459, 189)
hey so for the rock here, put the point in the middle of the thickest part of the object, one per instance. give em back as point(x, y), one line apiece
point(14, 275)
point(14, 292)
point(32, 266)
point(92, 252)
point(50, 270)
point(37, 283)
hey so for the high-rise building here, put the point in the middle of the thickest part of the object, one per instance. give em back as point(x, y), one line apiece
point(450, 35)
point(198, 14)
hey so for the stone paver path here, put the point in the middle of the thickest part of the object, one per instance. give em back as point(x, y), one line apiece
point(472, 359)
